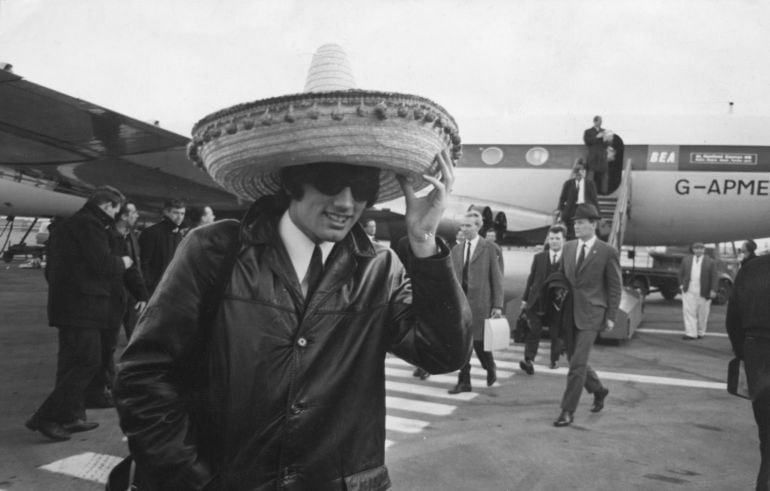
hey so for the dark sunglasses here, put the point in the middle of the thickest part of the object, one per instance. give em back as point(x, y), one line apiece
point(331, 178)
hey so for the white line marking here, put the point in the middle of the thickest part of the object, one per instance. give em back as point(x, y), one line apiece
point(424, 390)
point(432, 408)
point(680, 333)
point(388, 443)
point(89, 466)
point(404, 425)
point(645, 379)
point(393, 361)
point(477, 379)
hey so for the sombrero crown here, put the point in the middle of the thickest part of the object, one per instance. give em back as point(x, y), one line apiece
point(243, 147)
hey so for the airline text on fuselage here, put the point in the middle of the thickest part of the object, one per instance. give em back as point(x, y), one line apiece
point(742, 187)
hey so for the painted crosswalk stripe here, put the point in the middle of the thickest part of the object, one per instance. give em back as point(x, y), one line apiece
point(404, 425)
point(424, 407)
point(422, 389)
point(89, 466)
point(398, 362)
point(435, 379)
point(679, 332)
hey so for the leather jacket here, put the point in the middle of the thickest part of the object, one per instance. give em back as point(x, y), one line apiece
point(276, 393)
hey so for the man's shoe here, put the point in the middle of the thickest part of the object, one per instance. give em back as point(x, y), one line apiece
point(599, 397)
point(701, 336)
point(553, 365)
point(689, 338)
point(491, 377)
point(80, 425)
point(527, 366)
point(564, 419)
point(460, 388)
point(419, 372)
point(51, 429)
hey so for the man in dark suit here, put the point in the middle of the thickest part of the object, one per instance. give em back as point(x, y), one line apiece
point(158, 243)
point(576, 191)
point(137, 295)
point(698, 281)
point(477, 265)
point(596, 158)
point(593, 271)
point(543, 264)
point(82, 271)
point(748, 325)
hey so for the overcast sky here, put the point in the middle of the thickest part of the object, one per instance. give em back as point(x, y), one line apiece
point(508, 71)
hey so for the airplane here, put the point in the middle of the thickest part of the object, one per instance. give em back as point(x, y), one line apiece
point(54, 149)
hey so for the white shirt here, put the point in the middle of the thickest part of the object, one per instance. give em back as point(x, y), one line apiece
point(472, 244)
point(581, 196)
point(589, 244)
point(300, 248)
point(554, 257)
point(695, 269)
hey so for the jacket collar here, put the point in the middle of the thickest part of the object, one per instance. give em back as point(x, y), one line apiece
point(99, 214)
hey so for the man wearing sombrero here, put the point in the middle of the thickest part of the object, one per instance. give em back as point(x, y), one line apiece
point(259, 362)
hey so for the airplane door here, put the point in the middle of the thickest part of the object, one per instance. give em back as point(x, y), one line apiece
point(614, 163)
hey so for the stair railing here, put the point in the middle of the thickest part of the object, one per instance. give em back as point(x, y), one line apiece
point(622, 209)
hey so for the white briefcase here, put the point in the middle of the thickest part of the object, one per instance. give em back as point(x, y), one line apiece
point(497, 334)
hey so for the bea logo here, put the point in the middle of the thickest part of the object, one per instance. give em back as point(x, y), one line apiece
point(662, 157)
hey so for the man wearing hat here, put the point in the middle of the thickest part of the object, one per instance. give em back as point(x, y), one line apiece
point(593, 271)
point(259, 363)
point(698, 281)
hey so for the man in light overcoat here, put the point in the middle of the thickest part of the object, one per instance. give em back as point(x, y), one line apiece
point(478, 267)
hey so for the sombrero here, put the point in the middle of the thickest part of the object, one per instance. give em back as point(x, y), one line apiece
point(243, 147)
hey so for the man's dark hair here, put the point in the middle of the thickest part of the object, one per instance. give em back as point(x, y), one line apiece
point(558, 229)
point(194, 215)
point(170, 204)
point(751, 246)
point(107, 194)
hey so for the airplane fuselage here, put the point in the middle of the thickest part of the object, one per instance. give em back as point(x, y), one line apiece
point(678, 193)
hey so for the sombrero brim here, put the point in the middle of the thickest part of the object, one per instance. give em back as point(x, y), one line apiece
point(244, 147)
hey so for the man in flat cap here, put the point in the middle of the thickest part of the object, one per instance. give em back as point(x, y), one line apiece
point(259, 363)
point(698, 279)
point(592, 269)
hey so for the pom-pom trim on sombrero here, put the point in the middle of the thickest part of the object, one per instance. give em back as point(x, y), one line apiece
point(244, 147)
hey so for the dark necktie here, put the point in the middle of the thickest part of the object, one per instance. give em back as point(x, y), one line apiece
point(465, 266)
point(582, 256)
point(314, 272)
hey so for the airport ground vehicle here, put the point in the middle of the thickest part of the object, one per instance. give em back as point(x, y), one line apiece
point(662, 276)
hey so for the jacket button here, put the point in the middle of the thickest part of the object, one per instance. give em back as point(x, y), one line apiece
point(296, 409)
point(302, 342)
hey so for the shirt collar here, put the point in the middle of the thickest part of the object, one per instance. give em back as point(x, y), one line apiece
point(589, 243)
point(299, 246)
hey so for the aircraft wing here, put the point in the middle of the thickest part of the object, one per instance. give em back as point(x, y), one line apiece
point(59, 148)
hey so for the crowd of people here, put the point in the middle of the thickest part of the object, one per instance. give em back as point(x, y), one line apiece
point(256, 360)
point(101, 272)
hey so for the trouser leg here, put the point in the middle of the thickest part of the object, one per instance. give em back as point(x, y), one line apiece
point(556, 346)
point(103, 379)
point(704, 307)
point(485, 357)
point(690, 313)
point(580, 373)
point(532, 341)
point(79, 361)
point(761, 407)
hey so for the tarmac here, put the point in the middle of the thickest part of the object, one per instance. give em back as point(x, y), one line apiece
point(668, 422)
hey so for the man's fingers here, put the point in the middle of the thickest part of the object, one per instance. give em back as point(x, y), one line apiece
point(406, 187)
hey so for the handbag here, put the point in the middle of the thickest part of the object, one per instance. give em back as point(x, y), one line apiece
point(737, 384)
point(521, 330)
point(497, 334)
